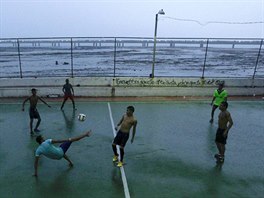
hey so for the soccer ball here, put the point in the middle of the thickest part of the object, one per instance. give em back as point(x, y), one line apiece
point(81, 117)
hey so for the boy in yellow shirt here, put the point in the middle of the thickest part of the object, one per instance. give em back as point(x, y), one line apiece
point(220, 95)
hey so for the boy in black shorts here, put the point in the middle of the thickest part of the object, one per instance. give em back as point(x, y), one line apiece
point(33, 112)
point(225, 122)
point(126, 123)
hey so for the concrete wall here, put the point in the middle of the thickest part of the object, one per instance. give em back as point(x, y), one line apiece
point(130, 86)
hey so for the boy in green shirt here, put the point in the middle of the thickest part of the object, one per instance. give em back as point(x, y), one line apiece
point(220, 95)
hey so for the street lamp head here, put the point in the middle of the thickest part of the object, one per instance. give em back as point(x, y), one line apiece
point(161, 12)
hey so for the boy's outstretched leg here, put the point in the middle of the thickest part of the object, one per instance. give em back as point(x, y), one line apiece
point(86, 134)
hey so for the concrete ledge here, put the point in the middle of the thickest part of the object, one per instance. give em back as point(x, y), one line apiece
point(130, 86)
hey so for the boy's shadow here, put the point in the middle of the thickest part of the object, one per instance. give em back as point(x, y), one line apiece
point(69, 121)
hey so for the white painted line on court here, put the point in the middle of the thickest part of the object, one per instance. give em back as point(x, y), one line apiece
point(126, 190)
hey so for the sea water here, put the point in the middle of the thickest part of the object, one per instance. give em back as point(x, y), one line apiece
point(180, 61)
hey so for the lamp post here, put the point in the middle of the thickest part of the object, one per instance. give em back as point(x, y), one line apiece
point(155, 38)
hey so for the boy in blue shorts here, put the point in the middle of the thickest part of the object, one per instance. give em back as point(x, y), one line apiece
point(47, 149)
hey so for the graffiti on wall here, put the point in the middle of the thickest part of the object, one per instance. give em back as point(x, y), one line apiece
point(165, 82)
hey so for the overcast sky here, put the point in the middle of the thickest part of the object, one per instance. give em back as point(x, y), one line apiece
point(123, 18)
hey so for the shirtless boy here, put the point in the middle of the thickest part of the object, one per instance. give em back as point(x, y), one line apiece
point(33, 112)
point(68, 93)
point(127, 122)
point(225, 122)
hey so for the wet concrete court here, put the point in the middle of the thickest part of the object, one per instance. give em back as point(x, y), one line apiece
point(172, 155)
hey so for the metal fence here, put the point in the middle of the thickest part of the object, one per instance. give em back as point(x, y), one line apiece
point(131, 56)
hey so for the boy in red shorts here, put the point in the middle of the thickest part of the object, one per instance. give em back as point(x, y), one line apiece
point(68, 93)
